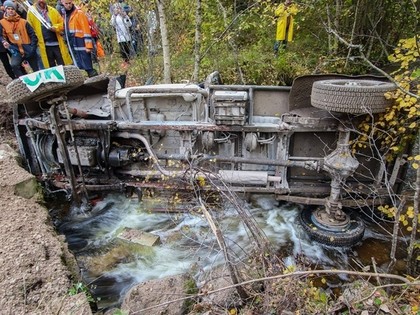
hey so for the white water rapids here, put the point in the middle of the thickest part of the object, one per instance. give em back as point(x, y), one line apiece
point(187, 243)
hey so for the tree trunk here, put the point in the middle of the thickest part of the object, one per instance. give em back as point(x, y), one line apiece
point(338, 6)
point(165, 42)
point(197, 45)
point(416, 202)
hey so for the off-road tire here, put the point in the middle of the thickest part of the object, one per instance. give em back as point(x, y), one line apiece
point(344, 238)
point(351, 96)
point(19, 93)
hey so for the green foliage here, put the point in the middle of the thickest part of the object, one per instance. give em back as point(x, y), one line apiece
point(190, 288)
point(80, 287)
point(238, 38)
point(399, 124)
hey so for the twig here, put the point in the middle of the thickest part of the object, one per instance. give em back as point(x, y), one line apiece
point(290, 275)
point(375, 270)
point(220, 240)
point(395, 233)
point(363, 57)
point(416, 211)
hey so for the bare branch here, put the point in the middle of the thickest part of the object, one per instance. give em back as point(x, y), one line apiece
point(291, 275)
point(362, 56)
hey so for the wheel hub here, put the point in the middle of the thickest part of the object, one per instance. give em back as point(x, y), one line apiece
point(322, 219)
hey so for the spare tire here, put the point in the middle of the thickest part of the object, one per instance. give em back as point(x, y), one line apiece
point(351, 96)
point(19, 93)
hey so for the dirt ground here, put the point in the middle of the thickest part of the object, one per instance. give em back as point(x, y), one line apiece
point(33, 276)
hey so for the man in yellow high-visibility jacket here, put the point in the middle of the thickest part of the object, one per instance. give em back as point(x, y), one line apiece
point(284, 14)
point(52, 48)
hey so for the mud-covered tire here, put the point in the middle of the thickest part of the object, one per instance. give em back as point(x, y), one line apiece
point(351, 96)
point(346, 237)
point(19, 93)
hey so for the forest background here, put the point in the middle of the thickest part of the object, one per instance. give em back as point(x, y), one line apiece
point(237, 37)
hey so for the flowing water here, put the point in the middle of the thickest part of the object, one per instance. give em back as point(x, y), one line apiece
point(110, 265)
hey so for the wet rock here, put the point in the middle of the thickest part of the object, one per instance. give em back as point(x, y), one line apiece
point(76, 304)
point(216, 279)
point(139, 237)
point(167, 296)
point(23, 183)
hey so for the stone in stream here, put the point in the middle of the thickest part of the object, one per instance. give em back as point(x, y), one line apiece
point(139, 237)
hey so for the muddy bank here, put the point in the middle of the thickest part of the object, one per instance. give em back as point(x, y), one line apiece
point(33, 276)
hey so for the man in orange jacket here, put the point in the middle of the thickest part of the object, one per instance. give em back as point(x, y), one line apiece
point(19, 38)
point(78, 36)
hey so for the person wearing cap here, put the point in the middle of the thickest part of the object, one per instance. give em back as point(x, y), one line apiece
point(78, 37)
point(52, 48)
point(4, 54)
point(18, 36)
point(122, 23)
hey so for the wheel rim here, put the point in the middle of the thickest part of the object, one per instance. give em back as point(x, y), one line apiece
point(321, 219)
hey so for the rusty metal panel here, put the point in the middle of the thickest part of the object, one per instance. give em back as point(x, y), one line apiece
point(271, 102)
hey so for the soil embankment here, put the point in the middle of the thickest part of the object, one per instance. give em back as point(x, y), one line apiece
point(33, 276)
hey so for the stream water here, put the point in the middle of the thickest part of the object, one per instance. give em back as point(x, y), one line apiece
point(110, 265)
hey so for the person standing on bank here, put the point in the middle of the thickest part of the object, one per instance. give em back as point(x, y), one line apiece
point(79, 39)
point(122, 23)
point(285, 15)
point(19, 38)
point(52, 48)
point(4, 54)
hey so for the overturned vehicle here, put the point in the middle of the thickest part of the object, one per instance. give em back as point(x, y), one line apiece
point(292, 142)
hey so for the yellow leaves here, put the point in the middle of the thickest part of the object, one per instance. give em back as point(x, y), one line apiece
point(403, 219)
point(415, 161)
point(289, 269)
point(412, 100)
point(389, 211)
point(389, 116)
point(201, 180)
point(410, 212)
point(394, 128)
point(409, 43)
point(365, 128)
point(389, 95)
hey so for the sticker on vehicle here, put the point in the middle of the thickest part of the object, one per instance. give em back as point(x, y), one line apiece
point(34, 80)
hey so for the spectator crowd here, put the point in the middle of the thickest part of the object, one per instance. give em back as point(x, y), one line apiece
point(35, 35)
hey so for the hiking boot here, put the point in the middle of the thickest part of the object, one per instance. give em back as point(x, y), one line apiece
point(92, 73)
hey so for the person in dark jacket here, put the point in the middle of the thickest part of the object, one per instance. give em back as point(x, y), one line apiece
point(4, 55)
point(18, 36)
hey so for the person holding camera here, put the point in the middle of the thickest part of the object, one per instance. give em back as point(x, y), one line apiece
point(122, 24)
